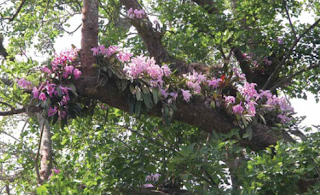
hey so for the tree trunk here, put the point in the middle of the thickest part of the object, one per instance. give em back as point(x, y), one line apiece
point(89, 37)
point(45, 148)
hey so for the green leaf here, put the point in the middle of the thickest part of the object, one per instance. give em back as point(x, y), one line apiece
point(155, 95)
point(137, 108)
point(138, 93)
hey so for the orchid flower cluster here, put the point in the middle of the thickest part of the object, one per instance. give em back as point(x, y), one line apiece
point(251, 96)
point(24, 84)
point(247, 103)
point(63, 69)
point(135, 13)
point(152, 178)
point(142, 67)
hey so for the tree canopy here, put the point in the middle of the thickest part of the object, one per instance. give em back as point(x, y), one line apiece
point(167, 96)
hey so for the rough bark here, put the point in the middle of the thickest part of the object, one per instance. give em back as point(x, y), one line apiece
point(197, 113)
point(89, 37)
point(45, 148)
point(152, 40)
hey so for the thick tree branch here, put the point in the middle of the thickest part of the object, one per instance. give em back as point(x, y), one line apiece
point(197, 113)
point(279, 66)
point(3, 51)
point(152, 40)
point(244, 64)
point(13, 112)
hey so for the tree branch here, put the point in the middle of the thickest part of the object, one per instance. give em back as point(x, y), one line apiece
point(15, 14)
point(290, 77)
point(208, 6)
point(5, 103)
point(244, 64)
point(45, 147)
point(89, 37)
point(71, 32)
point(3, 51)
point(28, 108)
point(289, 18)
point(197, 113)
point(152, 40)
point(13, 112)
point(277, 69)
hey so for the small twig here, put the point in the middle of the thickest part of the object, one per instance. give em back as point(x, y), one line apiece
point(290, 22)
point(15, 139)
point(201, 177)
point(24, 126)
point(4, 2)
point(45, 12)
point(130, 149)
point(31, 154)
point(71, 32)
point(15, 14)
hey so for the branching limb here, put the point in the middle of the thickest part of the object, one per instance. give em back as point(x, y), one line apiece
point(29, 108)
point(244, 64)
point(152, 40)
point(13, 112)
point(290, 22)
point(15, 14)
point(2, 4)
point(290, 77)
point(71, 32)
point(277, 69)
point(7, 104)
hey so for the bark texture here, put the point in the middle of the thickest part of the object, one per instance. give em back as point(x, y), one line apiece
point(45, 148)
point(89, 37)
point(152, 40)
point(197, 113)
